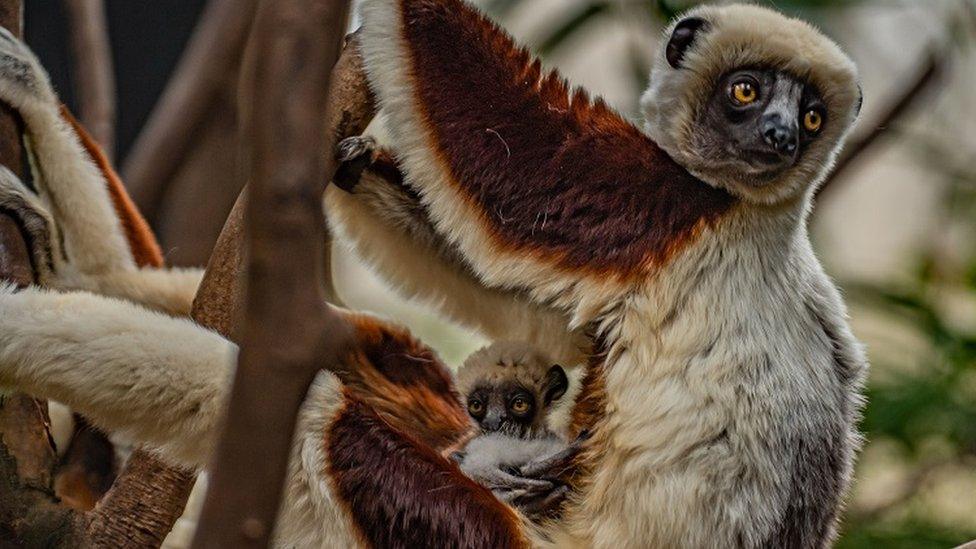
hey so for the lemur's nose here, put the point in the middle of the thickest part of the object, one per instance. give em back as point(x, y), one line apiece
point(491, 423)
point(778, 134)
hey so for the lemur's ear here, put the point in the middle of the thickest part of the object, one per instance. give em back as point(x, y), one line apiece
point(682, 38)
point(556, 384)
point(860, 101)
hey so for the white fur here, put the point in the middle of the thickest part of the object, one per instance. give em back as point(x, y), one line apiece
point(163, 382)
point(69, 180)
point(419, 271)
point(149, 377)
point(720, 371)
point(388, 67)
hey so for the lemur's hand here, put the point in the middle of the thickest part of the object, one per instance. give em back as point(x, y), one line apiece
point(24, 83)
point(355, 155)
point(42, 235)
point(554, 470)
point(556, 466)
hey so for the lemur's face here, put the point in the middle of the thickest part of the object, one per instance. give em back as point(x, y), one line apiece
point(751, 101)
point(510, 407)
point(758, 122)
point(506, 407)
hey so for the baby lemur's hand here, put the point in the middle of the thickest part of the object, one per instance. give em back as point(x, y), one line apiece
point(557, 466)
point(354, 156)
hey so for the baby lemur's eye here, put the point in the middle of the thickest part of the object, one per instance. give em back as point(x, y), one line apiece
point(813, 121)
point(519, 405)
point(745, 92)
point(476, 408)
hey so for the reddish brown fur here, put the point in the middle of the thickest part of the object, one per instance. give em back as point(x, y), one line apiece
point(402, 494)
point(591, 401)
point(142, 242)
point(405, 382)
point(553, 172)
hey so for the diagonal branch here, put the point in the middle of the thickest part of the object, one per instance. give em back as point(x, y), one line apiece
point(210, 60)
point(931, 68)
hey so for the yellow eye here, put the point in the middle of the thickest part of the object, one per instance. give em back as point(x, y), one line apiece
point(812, 121)
point(475, 407)
point(744, 92)
point(520, 405)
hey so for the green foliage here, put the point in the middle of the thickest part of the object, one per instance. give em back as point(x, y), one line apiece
point(934, 399)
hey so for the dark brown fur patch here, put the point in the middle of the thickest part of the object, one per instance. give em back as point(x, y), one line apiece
point(402, 494)
point(552, 171)
point(405, 382)
point(142, 242)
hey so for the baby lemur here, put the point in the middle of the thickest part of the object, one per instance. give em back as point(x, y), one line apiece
point(510, 390)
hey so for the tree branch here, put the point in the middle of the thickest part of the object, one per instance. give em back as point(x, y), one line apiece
point(930, 69)
point(210, 61)
point(289, 333)
point(28, 509)
point(92, 70)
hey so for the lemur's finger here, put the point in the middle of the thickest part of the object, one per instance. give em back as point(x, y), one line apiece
point(501, 480)
point(34, 219)
point(551, 467)
point(355, 155)
point(535, 506)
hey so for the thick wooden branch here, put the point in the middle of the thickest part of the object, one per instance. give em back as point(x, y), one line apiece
point(289, 333)
point(208, 64)
point(92, 71)
point(28, 510)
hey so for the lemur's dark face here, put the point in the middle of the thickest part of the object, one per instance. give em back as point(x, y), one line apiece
point(758, 122)
point(514, 409)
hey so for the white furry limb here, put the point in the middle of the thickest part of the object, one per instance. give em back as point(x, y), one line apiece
point(390, 232)
point(169, 291)
point(146, 376)
point(94, 240)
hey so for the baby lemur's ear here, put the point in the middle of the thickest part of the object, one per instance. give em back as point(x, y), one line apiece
point(555, 385)
point(682, 37)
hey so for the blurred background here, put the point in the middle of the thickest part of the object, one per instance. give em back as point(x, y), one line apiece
point(896, 227)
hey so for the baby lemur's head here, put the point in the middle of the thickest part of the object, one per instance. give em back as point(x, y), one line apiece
point(751, 101)
point(510, 387)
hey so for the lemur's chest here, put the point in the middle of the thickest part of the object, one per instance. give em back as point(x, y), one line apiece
point(701, 357)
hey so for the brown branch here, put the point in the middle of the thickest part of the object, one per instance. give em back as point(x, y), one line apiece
point(92, 70)
point(209, 63)
point(289, 333)
point(931, 68)
point(29, 513)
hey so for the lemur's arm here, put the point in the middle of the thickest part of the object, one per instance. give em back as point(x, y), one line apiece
point(149, 377)
point(390, 229)
point(107, 247)
point(540, 189)
point(73, 185)
point(170, 291)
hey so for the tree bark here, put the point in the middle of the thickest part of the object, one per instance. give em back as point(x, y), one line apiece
point(289, 332)
point(29, 512)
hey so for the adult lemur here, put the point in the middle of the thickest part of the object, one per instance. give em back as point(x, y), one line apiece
point(724, 382)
